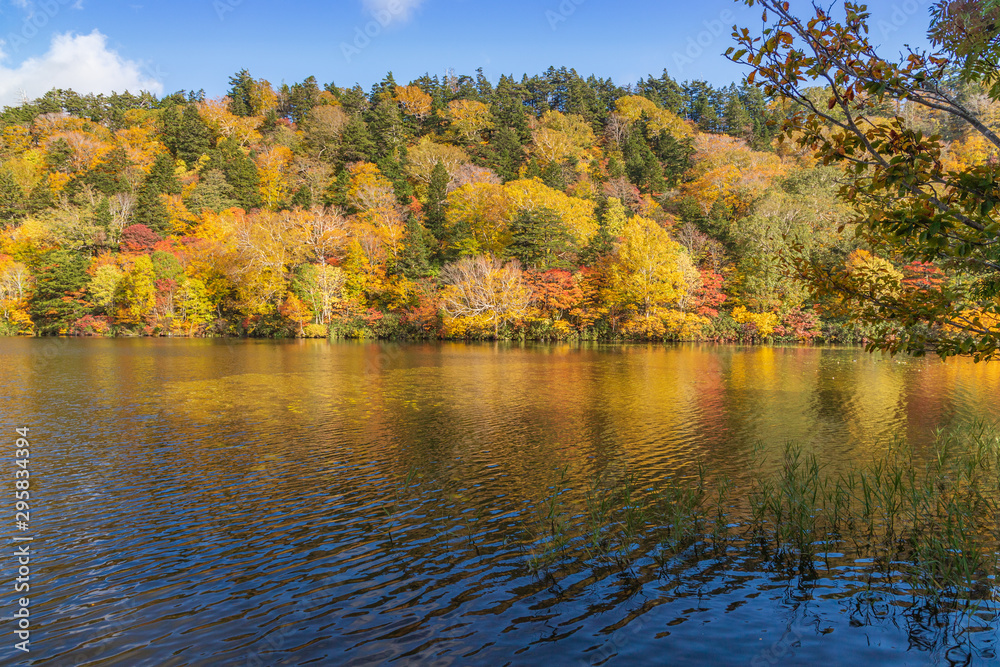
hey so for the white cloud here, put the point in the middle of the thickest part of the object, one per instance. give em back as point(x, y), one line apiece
point(398, 10)
point(81, 62)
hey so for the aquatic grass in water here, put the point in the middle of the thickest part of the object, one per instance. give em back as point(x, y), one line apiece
point(923, 524)
point(908, 539)
point(930, 524)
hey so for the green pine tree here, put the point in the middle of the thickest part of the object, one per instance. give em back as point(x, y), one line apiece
point(213, 192)
point(506, 153)
point(641, 165)
point(59, 156)
point(554, 176)
point(150, 208)
point(163, 176)
point(356, 144)
point(393, 170)
point(336, 193)
point(675, 156)
point(611, 218)
point(57, 300)
point(41, 197)
point(616, 169)
point(101, 217)
point(385, 124)
point(508, 110)
point(298, 99)
point(434, 210)
point(185, 134)
point(109, 176)
point(241, 93)
point(302, 198)
point(540, 240)
point(737, 119)
point(414, 261)
point(12, 202)
point(240, 171)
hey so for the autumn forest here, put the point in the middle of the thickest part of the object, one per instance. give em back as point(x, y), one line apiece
point(554, 207)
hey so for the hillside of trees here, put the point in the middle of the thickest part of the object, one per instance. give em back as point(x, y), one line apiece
point(554, 207)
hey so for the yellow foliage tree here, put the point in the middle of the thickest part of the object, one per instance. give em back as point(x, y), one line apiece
point(296, 311)
point(218, 117)
point(194, 307)
point(27, 240)
point(323, 286)
point(136, 293)
point(323, 126)
point(649, 272)
point(27, 169)
point(763, 323)
point(423, 156)
point(560, 138)
point(15, 140)
point(632, 107)
point(368, 188)
point(378, 228)
point(480, 212)
point(873, 275)
point(577, 215)
point(87, 149)
point(263, 99)
point(15, 284)
point(413, 101)
point(972, 151)
point(482, 290)
point(180, 219)
point(727, 169)
point(469, 119)
point(272, 167)
point(140, 144)
point(49, 124)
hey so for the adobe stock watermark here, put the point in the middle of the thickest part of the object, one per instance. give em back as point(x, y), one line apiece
point(697, 44)
point(363, 35)
point(42, 12)
point(562, 13)
point(223, 7)
point(900, 16)
point(153, 72)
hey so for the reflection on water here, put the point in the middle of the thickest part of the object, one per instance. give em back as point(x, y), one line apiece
point(261, 503)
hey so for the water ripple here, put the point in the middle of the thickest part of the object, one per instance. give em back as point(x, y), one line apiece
point(299, 504)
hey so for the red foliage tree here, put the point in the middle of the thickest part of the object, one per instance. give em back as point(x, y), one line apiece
point(922, 277)
point(138, 238)
point(708, 297)
point(803, 325)
point(555, 291)
point(425, 313)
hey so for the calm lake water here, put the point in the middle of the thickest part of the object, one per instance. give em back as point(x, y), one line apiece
point(199, 502)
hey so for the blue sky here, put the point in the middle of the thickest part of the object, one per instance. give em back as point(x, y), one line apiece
point(97, 46)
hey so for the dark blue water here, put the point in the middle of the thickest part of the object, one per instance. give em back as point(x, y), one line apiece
point(307, 503)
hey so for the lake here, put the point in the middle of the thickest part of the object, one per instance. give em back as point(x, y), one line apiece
point(214, 502)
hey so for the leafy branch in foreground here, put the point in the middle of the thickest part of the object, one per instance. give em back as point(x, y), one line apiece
point(913, 205)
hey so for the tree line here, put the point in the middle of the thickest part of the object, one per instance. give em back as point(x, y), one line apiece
point(550, 207)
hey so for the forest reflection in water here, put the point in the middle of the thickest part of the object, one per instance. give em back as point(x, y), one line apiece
point(213, 502)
